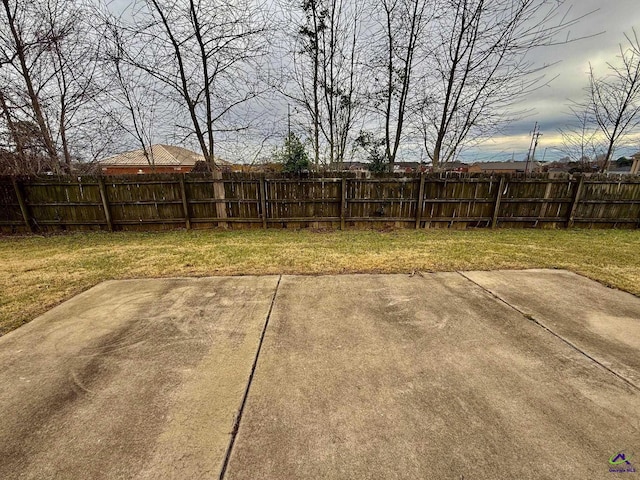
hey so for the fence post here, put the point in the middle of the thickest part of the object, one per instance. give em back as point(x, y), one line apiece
point(574, 203)
point(496, 208)
point(105, 203)
point(343, 202)
point(262, 192)
point(420, 201)
point(219, 194)
point(185, 202)
point(22, 204)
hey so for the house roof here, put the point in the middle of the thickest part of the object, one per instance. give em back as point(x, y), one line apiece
point(626, 169)
point(162, 155)
point(408, 165)
point(355, 165)
point(506, 165)
point(454, 165)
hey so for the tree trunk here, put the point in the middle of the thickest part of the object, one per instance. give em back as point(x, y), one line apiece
point(13, 131)
point(33, 97)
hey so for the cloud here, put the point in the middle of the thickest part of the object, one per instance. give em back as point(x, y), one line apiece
point(601, 33)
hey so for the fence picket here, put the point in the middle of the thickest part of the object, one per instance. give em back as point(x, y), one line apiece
point(150, 202)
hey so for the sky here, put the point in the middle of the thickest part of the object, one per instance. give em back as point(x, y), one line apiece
point(599, 35)
point(604, 29)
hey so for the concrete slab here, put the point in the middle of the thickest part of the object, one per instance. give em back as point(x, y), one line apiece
point(602, 322)
point(445, 376)
point(375, 376)
point(131, 379)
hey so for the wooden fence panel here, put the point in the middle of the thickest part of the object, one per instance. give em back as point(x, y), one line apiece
point(11, 219)
point(200, 201)
point(242, 199)
point(302, 202)
point(64, 203)
point(556, 203)
point(607, 204)
point(536, 202)
point(382, 201)
point(459, 202)
point(139, 201)
point(251, 201)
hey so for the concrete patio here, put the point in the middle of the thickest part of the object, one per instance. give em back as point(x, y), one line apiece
point(463, 375)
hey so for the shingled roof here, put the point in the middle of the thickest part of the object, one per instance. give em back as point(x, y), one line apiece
point(497, 166)
point(162, 155)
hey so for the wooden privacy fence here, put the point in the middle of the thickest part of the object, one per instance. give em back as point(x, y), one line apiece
point(152, 202)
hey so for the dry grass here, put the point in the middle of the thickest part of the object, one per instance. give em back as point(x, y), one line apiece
point(37, 273)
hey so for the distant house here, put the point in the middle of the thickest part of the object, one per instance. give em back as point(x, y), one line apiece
point(563, 167)
point(625, 166)
point(504, 167)
point(619, 170)
point(356, 166)
point(410, 167)
point(455, 166)
point(161, 159)
point(558, 167)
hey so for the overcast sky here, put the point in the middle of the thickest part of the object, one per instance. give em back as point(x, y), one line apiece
point(611, 19)
point(604, 30)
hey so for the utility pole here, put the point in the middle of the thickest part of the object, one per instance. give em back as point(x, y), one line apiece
point(288, 142)
point(532, 147)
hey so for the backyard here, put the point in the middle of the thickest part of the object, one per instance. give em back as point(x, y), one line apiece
point(37, 273)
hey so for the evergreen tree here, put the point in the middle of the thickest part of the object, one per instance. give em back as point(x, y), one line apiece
point(293, 156)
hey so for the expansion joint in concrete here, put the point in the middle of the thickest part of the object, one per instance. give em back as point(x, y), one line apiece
point(561, 338)
point(238, 419)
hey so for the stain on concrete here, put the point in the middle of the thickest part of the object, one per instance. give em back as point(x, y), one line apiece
point(128, 377)
point(479, 375)
point(458, 386)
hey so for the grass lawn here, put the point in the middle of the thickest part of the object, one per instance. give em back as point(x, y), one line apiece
point(37, 273)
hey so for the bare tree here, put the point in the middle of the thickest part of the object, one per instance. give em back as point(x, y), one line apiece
point(614, 99)
point(22, 47)
point(404, 25)
point(13, 144)
point(481, 67)
point(580, 140)
point(327, 74)
point(72, 48)
point(339, 75)
point(203, 56)
point(48, 64)
point(310, 58)
point(132, 100)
